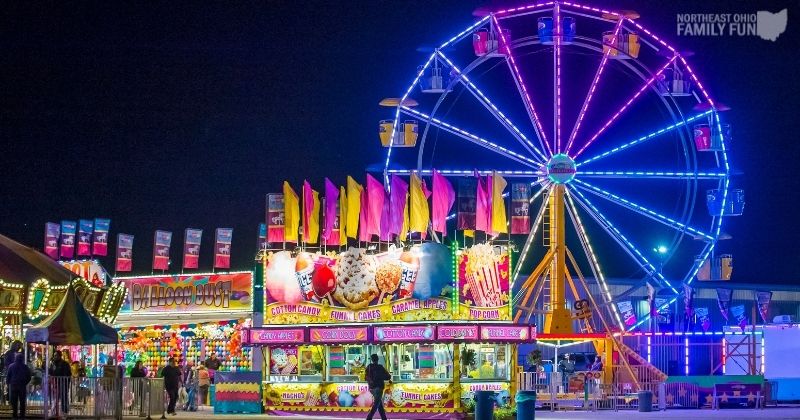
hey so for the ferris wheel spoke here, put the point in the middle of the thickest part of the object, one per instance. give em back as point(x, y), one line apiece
point(523, 90)
point(472, 138)
point(625, 106)
point(651, 175)
point(592, 89)
point(592, 257)
point(471, 172)
point(531, 236)
point(644, 138)
point(644, 211)
point(492, 108)
point(642, 261)
point(557, 31)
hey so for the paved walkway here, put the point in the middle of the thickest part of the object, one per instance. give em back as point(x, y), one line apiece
point(728, 414)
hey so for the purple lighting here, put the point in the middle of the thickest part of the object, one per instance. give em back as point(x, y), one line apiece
point(557, 33)
point(525, 94)
point(627, 104)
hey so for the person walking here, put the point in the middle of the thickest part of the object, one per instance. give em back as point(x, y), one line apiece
point(172, 383)
point(203, 382)
point(18, 376)
point(376, 374)
point(212, 364)
point(61, 373)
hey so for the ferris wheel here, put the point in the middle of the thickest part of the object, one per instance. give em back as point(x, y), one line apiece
point(618, 136)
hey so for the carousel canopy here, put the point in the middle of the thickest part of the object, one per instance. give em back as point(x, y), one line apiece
point(24, 265)
point(71, 324)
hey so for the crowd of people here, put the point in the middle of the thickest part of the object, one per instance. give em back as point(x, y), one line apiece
point(186, 384)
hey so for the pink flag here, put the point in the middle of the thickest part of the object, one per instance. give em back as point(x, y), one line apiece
point(331, 212)
point(443, 198)
point(386, 235)
point(483, 206)
point(399, 198)
point(308, 208)
point(363, 220)
point(375, 198)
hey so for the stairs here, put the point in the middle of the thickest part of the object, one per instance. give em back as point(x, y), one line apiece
point(645, 372)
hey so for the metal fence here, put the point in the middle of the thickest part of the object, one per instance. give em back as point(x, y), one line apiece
point(90, 397)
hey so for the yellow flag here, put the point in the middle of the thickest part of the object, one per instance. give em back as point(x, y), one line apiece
point(404, 227)
point(420, 215)
point(342, 216)
point(499, 223)
point(313, 220)
point(291, 213)
point(354, 191)
point(470, 233)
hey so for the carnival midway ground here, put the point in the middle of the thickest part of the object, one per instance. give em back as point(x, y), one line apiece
point(768, 413)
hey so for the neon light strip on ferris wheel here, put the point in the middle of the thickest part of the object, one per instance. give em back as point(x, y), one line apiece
point(465, 79)
point(515, 70)
point(625, 107)
point(641, 209)
point(649, 267)
point(592, 89)
point(557, 34)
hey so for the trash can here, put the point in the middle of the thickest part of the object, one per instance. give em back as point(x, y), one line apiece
point(484, 405)
point(526, 405)
point(645, 401)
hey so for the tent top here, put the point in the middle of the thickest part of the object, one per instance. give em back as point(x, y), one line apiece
point(21, 264)
point(72, 324)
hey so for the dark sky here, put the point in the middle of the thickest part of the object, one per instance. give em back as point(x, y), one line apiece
point(175, 115)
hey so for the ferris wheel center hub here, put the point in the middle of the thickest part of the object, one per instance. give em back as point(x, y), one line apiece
point(561, 169)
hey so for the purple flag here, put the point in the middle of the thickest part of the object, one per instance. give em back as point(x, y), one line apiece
point(385, 235)
point(331, 209)
point(483, 205)
point(688, 301)
point(52, 232)
point(443, 198)
point(398, 199)
point(738, 313)
point(376, 195)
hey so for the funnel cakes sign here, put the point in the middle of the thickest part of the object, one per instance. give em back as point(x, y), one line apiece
point(355, 286)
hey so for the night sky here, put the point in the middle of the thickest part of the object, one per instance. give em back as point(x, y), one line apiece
point(176, 116)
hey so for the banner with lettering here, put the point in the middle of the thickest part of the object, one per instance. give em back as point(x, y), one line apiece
point(520, 205)
point(124, 252)
point(52, 233)
point(222, 248)
point(355, 286)
point(356, 396)
point(703, 318)
point(100, 237)
point(161, 245)
point(467, 188)
point(483, 276)
point(739, 315)
point(628, 314)
point(68, 229)
point(762, 300)
point(724, 301)
point(191, 247)
point(90, 270)
point(275, 218)
point(85, 230)
point(262, 237)
point(663, 311)
point(188, 293)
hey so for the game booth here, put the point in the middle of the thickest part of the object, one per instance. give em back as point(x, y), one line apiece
point(187, 317)
point(437, 317)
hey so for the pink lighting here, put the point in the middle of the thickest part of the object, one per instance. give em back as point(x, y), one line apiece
point(625, 107)
point(518, 76)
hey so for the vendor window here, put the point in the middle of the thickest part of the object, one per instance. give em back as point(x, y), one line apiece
point(296, 363)
point(485, 361)
point(420, 361)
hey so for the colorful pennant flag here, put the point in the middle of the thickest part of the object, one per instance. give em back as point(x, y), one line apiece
point(222, 248)
point(310, 214)
point(724, 301)
point(191, 246)
point(628, 314)
point(68, 229)
point(483, 204)
point(100, 240)
point(419, 214)
point(443, 198)
point(275, 218)
point(467, 188)
point(499, 221)
point(762, 300)
point(342, 219)
point(85, 230)
point(353, 208)
point(688, 302)
point(331, 213)
point(385, 219)
point(52, 233)
point(376, 195)
point(739, 315)
point(363, 217)
point(161, 246)
point(124, 252)
point(399, 205)
point(703, 318)
point(520, 204)
point(651, 299)
point(291, 212)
